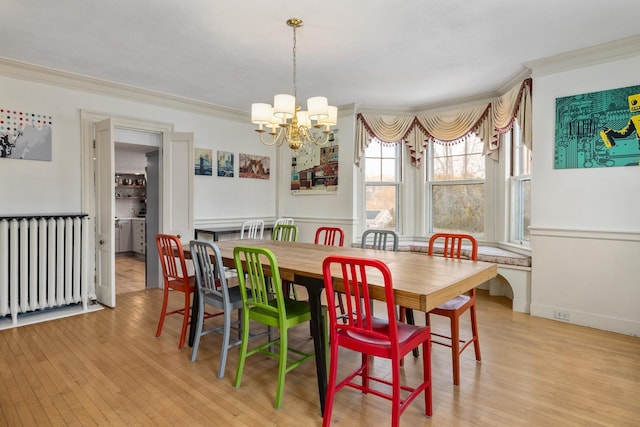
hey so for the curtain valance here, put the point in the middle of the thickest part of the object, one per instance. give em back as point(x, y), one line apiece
point(515, 104)
point(450, 127)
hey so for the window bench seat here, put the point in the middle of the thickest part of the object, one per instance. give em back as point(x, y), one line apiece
point(514, 271)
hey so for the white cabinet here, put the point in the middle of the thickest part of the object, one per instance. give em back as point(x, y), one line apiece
point(138, 235)
point(123, 235)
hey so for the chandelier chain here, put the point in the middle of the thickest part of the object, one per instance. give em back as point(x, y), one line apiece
point(295, 76)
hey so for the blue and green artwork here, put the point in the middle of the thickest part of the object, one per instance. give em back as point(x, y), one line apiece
point(598, 129)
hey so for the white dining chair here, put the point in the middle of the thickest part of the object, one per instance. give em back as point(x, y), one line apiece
point(283, 221)
point(252, 229)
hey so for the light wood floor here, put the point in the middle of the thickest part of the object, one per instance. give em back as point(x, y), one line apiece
point(107, 368)
point(130, 276)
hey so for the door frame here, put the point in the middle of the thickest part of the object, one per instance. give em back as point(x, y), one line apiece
point(87, 122)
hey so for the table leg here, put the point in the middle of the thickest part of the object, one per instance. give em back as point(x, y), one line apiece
point(314, 289)
point(194, 318)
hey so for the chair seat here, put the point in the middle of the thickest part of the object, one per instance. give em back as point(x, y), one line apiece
point(235, 298)
point(405, 333)
point(454, 303)
point(299, 310)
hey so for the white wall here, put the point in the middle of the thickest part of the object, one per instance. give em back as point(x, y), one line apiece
point(32, 187)
point(585, 222)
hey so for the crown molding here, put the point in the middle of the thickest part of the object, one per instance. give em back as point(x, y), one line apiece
point(36, 73)
point(606, 52)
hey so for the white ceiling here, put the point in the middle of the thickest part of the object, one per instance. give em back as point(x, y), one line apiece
point(379, 53)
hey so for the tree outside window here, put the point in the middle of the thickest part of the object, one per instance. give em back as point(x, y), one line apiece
point(382, 179)
point(456, 186)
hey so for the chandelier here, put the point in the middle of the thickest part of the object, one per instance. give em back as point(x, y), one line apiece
point(285, 121)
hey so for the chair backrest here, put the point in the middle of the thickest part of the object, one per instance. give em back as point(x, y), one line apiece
point(329, 236)
point(210, 278)
point(252, 229)
point(285, 221)
point(351, 274)
point(174, 267)
point(453, 245)
point(379, 239)
point(252, 278)
point(285, 232)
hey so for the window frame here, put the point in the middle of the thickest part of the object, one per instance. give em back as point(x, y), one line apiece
point(431, 183)
point(396, 184)
point(519, 175)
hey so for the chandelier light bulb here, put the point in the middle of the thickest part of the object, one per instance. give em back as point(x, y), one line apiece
point(318, 107)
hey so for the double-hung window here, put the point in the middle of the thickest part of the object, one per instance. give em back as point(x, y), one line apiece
point(520, 188)
point(382, 170)
point(456, 187)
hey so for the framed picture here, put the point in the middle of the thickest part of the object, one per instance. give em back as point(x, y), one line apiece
point(598, 129)
point(253, 166)
point(25, 135)
point(314, 169)
point(225, 164)
point(203, 162)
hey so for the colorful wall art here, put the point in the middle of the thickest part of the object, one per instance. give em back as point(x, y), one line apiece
point(25, 135)
point(252, 166)
point(598, 129)
point(314, 169)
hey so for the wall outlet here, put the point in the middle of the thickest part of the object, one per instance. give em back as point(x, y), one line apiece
point(561, 315)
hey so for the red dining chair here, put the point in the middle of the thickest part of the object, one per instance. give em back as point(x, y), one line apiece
point(331, 236)
point(456, 307)
point(175, 275)
point(371, 336)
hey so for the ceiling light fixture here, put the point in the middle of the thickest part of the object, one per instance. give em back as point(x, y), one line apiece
point(286, 120)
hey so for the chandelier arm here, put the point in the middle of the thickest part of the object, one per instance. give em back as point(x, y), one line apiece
point(316, 139)
point(276, 140)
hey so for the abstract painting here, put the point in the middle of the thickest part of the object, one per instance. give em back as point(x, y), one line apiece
point(25, 135)
point(314, 169)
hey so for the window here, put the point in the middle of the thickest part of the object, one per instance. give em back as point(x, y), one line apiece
point(455, 185)
point(520, 188)
point(382, 180)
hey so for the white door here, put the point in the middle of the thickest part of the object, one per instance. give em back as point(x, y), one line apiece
point(105, 213)
point(177, 184)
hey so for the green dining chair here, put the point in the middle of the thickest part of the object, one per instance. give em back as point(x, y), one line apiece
point(285, 232)
point(270, 307)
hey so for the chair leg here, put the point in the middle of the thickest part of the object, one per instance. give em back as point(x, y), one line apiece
point(395, 395)
point(455, 349)
point(282, 367)
point(165, 301)
point(426, 369)
point(196, 339)
point(226, 336)
point(331, 385)
point(243, 349)
point(474, 330)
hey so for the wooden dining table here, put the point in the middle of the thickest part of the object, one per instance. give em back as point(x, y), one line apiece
point(420, 282)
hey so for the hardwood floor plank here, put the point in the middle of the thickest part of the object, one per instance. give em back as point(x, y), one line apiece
point(108, 368)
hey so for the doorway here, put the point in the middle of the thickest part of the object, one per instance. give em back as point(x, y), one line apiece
point(173, 172)
point(135, 153)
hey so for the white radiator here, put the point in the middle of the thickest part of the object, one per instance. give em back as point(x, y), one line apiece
point(42, 263)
